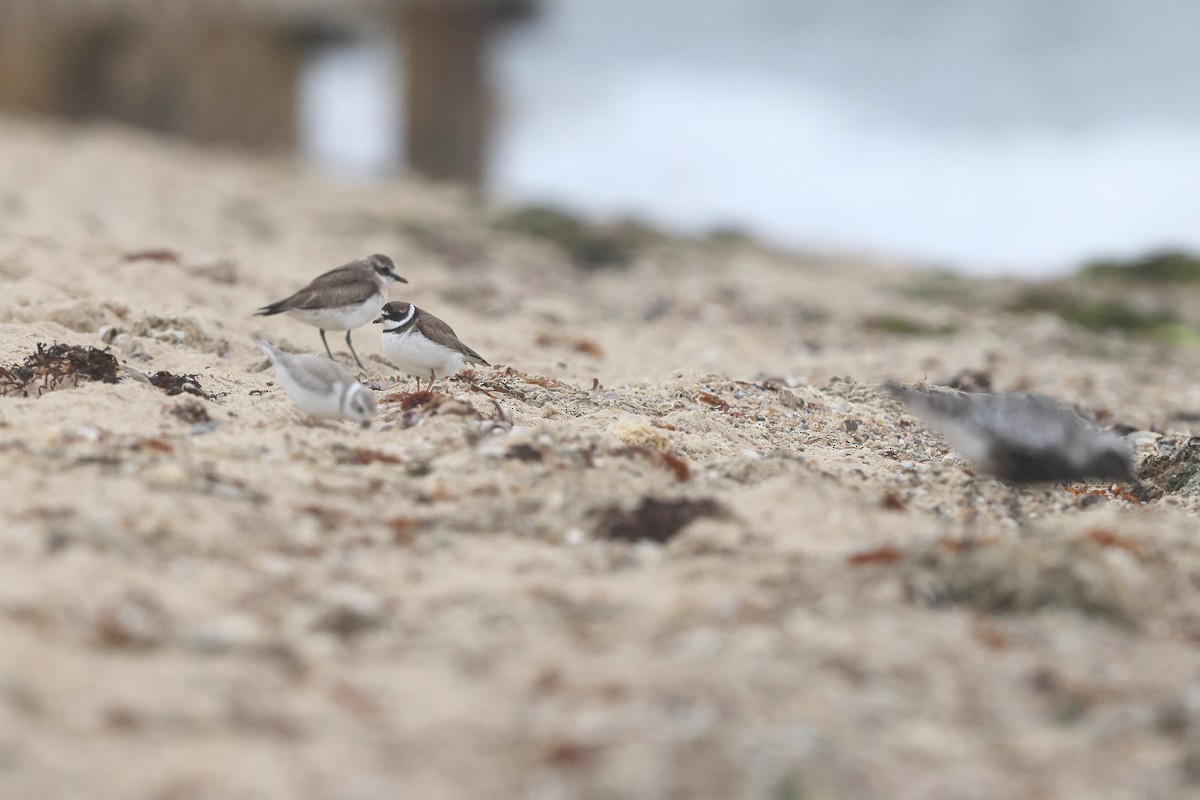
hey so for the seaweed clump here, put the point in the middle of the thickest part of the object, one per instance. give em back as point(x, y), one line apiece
point(1176, 472)
point(656, 519)
point(58, 366)
point(178, 384)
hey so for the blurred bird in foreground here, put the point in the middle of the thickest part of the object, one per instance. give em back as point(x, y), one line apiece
point(320, 386)
point(1021, 438)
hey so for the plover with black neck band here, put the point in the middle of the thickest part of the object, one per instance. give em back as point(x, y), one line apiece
point(422, 345)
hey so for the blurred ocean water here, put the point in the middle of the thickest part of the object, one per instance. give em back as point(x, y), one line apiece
point(992, 135)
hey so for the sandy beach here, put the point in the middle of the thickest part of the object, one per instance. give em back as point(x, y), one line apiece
point(676, 543)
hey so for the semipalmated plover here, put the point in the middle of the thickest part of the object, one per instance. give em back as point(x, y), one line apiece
point(321, 386)
point(421, 344)
point(1022, 438)
point(341, 299)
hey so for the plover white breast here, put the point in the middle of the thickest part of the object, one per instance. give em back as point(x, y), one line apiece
point(320, 386)
point(422, 345)
point(1022, 438)
point(341, 299)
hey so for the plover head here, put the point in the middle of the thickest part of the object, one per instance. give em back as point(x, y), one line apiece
point(384, 268)
point(397, 311)
point(360, 404)
point(1105, 455)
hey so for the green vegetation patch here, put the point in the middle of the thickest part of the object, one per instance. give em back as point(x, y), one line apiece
point(900, 325)
point(1168, 266)
point(1104, 315)
point(589, 245)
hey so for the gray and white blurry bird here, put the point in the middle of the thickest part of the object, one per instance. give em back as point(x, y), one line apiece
point(342, 299)
point(320, 386)
point(421, 344)
point(1021, 438)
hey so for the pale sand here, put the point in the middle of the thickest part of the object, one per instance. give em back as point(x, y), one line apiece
point(251, 612)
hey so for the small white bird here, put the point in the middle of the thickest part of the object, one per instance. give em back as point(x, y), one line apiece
point(320, 386)
point(421, 344)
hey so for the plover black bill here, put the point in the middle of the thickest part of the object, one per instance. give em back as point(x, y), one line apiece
point(321, 386)
point(421, 344)
point(1022, 438)
point(341, 299)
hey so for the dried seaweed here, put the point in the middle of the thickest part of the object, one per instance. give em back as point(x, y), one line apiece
point(656, 519)
point(1176, 472)
point(492, 386)
point(886, 554)
point(178, 384)
point(191, 412)
point(153, 254)
point(523, 451)
point(408, 400)
point(361, 456)
point(671, 461)
point(714, 401)
point(58, 365)
point(538, 380)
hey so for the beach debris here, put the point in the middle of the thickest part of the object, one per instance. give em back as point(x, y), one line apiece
point(523, 451)
point(56, 366)
point(669, 460)
point(190, 412)
point(178, 384)
point(884, 554)
point(712, 400)
point(153, 254)
point(1021, 438)
point(361, 456)
point(656, 519)
point(1175, 472)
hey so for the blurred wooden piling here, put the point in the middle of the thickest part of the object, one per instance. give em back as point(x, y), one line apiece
point(228, 71)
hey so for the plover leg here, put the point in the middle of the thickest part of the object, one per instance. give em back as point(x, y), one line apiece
point(327, 350)
point(351, 346)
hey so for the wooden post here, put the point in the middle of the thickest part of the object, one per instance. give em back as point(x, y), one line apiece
point(208, 75)
point(448, 101)
point(32, 77)
point(229, 71)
